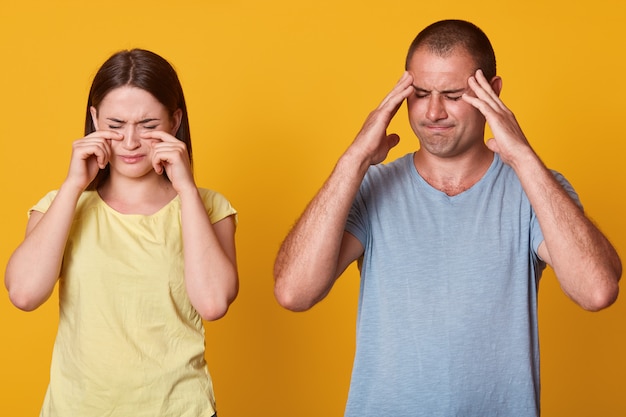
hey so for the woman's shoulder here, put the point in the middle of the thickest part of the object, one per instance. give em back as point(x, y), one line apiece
point(87, 198)
point(216, 204)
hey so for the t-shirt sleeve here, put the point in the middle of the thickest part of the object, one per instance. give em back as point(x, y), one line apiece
point(536, 233)
point(357, 217)
point(217, 206)
point(44, 204)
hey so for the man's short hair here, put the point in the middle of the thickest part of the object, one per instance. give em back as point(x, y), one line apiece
point(444, 37)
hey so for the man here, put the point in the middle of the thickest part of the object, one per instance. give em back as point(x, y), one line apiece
point(451, 242)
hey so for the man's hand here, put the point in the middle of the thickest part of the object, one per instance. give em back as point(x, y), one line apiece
point(509, 140)
point(372, 142)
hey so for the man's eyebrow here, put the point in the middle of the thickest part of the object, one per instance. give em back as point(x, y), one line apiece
point(452, 91)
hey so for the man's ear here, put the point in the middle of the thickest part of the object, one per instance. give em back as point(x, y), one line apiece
point(94, 116)
point(177, 118)
point(496, 84)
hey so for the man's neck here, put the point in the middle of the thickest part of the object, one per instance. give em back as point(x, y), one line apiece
point(453, 175)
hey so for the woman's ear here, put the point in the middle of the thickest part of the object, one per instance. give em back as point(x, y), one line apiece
point(496, 85)
point(177, 118)
point(94, 116)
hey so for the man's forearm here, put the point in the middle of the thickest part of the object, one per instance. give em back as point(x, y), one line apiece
point(306, 265)
point(584, 261)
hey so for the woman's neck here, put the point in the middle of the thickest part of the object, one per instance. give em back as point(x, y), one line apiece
point(137, 196)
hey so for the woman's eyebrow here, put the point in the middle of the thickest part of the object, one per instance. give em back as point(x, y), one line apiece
point(147, 120)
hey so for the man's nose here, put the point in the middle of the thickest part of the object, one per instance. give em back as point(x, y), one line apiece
point(436, 109)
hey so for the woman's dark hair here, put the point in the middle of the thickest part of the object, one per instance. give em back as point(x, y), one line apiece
point(145, 70)
point(443, 37)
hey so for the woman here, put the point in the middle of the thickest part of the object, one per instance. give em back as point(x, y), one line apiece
point(141, 254)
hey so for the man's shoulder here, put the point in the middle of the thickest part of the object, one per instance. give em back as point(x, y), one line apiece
point(400, 164)
point(389, 178)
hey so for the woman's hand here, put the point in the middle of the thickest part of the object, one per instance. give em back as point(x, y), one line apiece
point(170, 155)
point(89, 155)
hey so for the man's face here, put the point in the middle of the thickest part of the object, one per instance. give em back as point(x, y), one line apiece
point(446, 125)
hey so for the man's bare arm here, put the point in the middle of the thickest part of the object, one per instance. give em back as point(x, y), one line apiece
point(317, 250)
point(586, 264)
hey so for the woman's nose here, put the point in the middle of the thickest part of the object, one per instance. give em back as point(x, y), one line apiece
point(131, 138)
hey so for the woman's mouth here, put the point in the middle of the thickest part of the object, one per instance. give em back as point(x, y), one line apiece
point(131, 159)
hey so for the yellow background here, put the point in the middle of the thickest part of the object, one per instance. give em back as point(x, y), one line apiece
point(276, 90)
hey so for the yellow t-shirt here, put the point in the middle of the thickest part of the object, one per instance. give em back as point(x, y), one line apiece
point(129, 341)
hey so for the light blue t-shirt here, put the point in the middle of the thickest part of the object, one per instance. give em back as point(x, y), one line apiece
point(447, 321)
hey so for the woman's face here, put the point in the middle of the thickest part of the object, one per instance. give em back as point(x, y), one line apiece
point(131, 111)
